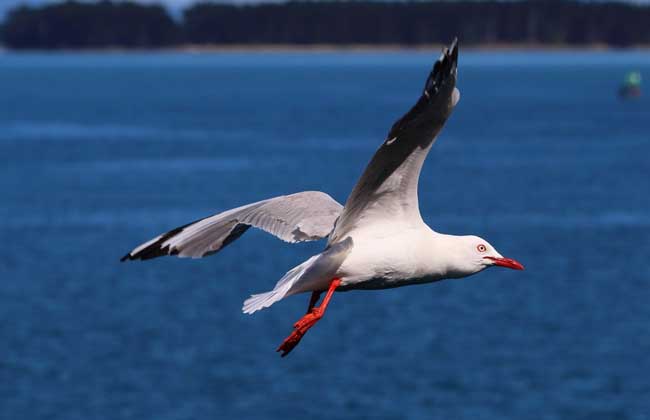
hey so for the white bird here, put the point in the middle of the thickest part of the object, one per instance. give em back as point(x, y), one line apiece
point(378, 240)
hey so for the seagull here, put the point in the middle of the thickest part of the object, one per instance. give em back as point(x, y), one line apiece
point(377, 240)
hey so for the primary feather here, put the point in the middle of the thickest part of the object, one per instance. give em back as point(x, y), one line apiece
point(304, 216)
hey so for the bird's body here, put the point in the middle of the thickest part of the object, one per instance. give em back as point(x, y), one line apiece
point(382, 258)
point(396, 255)
point(412, 255)
point(377, 240)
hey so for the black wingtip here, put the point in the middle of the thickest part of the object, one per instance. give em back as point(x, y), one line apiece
point(443, 74)
point(443, 68)
point(156, 249)
point(451, 53)
point(453, 50)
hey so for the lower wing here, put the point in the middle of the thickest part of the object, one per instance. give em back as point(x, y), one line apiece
point(304, 216)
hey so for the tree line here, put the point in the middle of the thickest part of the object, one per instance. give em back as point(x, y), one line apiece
point(127, 24)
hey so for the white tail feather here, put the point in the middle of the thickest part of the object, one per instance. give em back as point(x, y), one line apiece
point(261, 301)
point(307, 276)
point(282, 289)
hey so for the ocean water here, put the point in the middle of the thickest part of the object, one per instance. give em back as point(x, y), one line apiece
point(100, 152)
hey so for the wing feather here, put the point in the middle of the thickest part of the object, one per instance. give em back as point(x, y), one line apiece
point(304, 216)
point(388, 186)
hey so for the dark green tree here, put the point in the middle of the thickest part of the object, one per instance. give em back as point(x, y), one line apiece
point(89, 25)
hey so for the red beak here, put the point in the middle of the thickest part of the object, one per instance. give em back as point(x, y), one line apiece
point(506, 262)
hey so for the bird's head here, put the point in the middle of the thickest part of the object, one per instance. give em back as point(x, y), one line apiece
point(476, 254)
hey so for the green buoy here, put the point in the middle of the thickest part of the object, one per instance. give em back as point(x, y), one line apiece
point(631, 87)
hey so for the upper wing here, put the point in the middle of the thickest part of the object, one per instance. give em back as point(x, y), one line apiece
point(304, 216)
point(388, 189)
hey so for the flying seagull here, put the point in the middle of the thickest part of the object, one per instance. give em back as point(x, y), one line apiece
point(378, 240)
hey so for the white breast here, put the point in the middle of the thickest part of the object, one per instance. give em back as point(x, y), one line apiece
point(391, 255)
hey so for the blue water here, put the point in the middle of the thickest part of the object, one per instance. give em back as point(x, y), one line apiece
point(101, 152)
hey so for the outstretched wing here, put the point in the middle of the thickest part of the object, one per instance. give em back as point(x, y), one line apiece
point(304, 216)
point(388, 189)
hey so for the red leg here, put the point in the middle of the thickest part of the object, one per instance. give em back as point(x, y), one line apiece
point(309, 320)
point(312, 302)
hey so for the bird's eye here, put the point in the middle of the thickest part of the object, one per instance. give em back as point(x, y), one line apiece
point(481, 248)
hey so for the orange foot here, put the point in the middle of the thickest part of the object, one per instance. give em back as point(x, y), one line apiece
point(300, 328)
point(313, 315)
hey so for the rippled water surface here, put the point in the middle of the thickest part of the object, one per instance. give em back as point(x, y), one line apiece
point(101, 152)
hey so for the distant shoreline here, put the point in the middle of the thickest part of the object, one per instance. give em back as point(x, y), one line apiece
point(307, 48)
point(303, 25)
point(398, 47)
